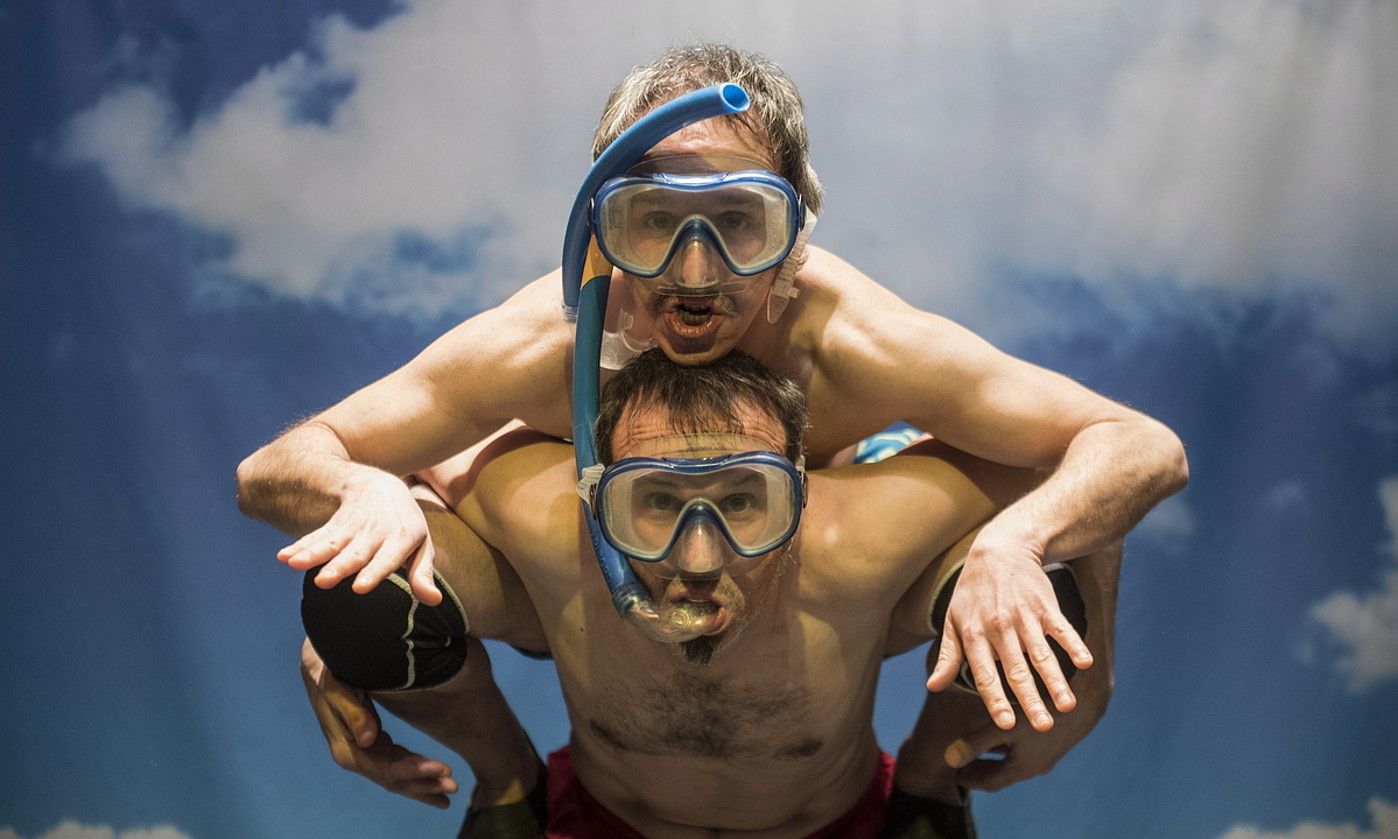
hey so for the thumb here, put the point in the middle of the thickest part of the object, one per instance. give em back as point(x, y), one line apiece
point(963, 750)
point(948, 662)
point(354, 709)
point(421, 576)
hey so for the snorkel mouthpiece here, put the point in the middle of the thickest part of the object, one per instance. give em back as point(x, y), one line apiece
point(666, 624)
point(587, 304)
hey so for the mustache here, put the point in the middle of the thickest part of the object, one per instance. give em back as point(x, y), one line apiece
point(718, 588)
point(720, 303)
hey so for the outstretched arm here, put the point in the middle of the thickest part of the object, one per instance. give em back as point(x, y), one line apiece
point(334, 480)
point(1106, 464)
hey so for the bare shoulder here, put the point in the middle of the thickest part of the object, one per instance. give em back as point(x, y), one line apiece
point(859, 320)
point(516, 492)
point(878, 525)
point(511, 359)
point(869, 359)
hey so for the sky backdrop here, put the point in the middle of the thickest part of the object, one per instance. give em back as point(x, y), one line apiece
point(216, 218)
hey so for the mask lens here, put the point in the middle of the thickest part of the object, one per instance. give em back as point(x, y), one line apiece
point(645, 510)
point(641, 221)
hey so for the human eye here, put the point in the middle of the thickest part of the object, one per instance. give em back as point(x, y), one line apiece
point(739, 504)
point(657, 502)
point(736, 221)
point(657, 222)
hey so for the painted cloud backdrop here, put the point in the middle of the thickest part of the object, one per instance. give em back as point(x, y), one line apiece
point(218, 218)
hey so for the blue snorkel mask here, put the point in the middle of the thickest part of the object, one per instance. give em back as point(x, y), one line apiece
point(751, 219)
point(586, 282)
point(738, 507)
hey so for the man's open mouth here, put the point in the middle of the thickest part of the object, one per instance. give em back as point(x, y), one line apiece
point(694, 313)
point(694, 318)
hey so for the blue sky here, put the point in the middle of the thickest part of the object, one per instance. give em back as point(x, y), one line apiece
point(218, 218)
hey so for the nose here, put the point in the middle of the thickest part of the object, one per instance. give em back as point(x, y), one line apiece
point(697, 264)
point(701, 549)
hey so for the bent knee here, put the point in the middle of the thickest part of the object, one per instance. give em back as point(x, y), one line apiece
point(385, 639)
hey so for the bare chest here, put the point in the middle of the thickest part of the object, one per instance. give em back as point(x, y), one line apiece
point(701, 717)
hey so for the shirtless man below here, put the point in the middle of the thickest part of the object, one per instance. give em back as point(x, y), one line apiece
point(762, 727)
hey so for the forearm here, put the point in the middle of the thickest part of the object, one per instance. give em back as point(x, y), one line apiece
point(1110, 476)
point(296, 482)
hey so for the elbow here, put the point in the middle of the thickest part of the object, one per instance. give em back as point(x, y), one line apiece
point(247, 476)
point(1174, 464)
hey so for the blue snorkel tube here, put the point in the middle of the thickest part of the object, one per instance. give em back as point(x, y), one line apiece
point(586, 303)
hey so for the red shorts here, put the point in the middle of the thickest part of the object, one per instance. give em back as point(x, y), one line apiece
point(575, 814)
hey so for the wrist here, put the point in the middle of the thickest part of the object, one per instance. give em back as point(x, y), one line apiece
point(999, 543)
point(360, 478)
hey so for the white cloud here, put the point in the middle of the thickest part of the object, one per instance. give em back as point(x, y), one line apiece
point(1284, 497)
point(71, 829)
point(1384, 815)
point(1365, 624)
point(1249, 145)
point(444, 137)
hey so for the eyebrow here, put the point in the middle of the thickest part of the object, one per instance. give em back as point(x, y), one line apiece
point(668, 482)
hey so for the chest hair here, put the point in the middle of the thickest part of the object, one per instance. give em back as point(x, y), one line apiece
point(696, 717)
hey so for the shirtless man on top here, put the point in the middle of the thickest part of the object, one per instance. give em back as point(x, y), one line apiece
point(762, 727)
point(863, 357)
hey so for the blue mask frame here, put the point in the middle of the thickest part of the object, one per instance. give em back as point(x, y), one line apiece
point(701, 228)
point(701, 508)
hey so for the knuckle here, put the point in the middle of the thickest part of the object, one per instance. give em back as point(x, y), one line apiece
point(342, 756)
point(1001, 620)
point(986, 682)
point(1019, 673)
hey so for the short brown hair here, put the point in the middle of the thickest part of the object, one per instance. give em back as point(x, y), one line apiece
point(777, 114)
point(701, 399)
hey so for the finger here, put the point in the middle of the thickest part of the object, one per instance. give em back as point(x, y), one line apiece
point(1021, 678)
point(355, 711)
point(315, 548)
point(963, 750)
point(391, 555)
point(332, 728)
point(1046, 663)
point(948, 663)
point(396, 765)
point(332, 725)
point(300, 544)
point(349, 560)
point(420, 574)
point(425, 786)
point(981, 657)
point(400, 771)
point(1068, 637)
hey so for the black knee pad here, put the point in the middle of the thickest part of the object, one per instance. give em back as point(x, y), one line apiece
point(385, 639)
point(1070, 603)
